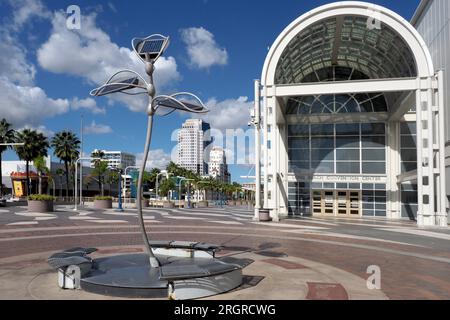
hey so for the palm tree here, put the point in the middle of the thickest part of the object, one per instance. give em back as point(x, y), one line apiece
point(35, 145)
point(60, 172)
point(39, 164)
point(100, 168)
point(6, 136)
point(66, 145)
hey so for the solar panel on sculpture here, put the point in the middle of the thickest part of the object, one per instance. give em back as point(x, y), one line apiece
point(179, 105)
point(152, 47)
point(118, 86)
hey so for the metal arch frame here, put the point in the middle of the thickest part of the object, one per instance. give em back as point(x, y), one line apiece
point(108, 83)
point(427, 88)
point(165, 46)
point(156, 106)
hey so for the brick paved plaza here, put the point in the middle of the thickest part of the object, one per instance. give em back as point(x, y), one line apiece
point(308, 258)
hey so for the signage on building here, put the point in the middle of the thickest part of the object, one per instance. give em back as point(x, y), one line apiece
point(350, 179)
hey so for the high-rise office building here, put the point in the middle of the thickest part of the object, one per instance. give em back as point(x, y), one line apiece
point(117, 159)
point(193, 139)
point(217, 166)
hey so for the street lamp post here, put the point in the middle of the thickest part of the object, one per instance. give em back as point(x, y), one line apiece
point(187, 192)
point(130, 82)
point(119, 172)
point(163, 172)
point(256, 122)
point(81, 181)
point(126, 171)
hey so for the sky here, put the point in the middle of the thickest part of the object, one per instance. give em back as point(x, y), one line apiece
point(217, 49)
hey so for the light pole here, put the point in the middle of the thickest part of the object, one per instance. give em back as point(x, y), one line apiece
point(130, 82)
point(126, 171)
point(119, 172)
point(256, 122)
point(187, 192)
point(81, 181)
point(163, 172)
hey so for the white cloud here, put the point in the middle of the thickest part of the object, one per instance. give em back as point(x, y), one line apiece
point(202, 49)
point(89, 53)
point(23, 105)
point(41, 129)
point(228, 114)
point(13, 62)
point(95, 128)
point(157, 159)
point(24, 10)
point(89, 104)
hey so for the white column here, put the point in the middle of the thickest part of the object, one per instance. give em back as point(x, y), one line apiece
point(431, 173)
point(266, 151)
point(257, 149)
point(394, 170)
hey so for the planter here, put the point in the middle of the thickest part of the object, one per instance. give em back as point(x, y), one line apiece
point(264, 215)
point(103, 204)
point(202, 204)
point(40, 206)
point(168, 205)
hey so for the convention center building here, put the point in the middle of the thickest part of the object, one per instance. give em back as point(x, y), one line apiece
point(353, 111)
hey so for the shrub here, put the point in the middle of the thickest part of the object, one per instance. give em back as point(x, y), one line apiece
point(102, 198)
point(40, 197)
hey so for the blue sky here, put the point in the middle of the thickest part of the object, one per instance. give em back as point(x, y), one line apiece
point(46, 82)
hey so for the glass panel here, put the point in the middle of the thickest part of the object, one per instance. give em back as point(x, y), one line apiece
point(374, 168)
point(322, 143)
point(373, 142)
point(347, 155)
point(347, 129)
point(374, 154)
point(322, 154)
point(409, 166)
point(408, 128)
point(347, 142)
point(296, 166)
point(409, 155)
point(298, 130)
point(347, 167)
point(299, 155)
point(323, 167)
point(408, 141)
point(322, 130)
point(299, 143)
point(373, 129)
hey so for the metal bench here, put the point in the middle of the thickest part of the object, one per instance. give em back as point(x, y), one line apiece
point(184, 249)
point(71, 264)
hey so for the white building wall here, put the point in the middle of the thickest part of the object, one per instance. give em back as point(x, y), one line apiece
point(432, 20)
point(191, 146)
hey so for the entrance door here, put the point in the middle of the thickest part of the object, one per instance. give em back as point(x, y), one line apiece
point(339, 203)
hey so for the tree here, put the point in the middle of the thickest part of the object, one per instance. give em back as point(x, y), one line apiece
point(66, 145)
point(112, 178)
point(100, 169)
point(35, 145)
point(165, 187)
point(60, 173)
point(40, 165)
point(6, 136)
